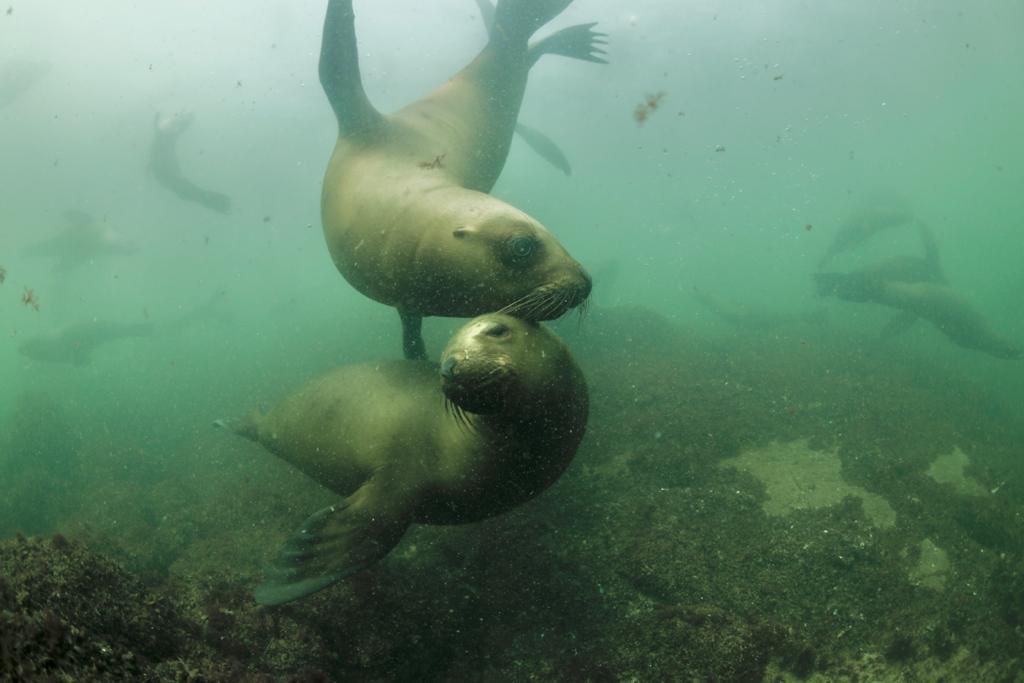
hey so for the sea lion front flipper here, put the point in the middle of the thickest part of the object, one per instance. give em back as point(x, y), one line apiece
point(545, 147)
point(413, 347)
point(335, 542)
point(339, 70)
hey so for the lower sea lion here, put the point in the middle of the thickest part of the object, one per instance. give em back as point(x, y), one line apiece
point(498, 426)
point(406, 214)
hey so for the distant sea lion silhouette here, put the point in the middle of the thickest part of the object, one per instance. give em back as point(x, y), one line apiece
point(82, 241)
point(166, 170)
point(917, 288)
point(405, 212)
point(865, 223)
point(498, 427)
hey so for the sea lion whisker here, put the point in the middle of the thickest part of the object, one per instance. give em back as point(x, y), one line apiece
point(556, 300)
point(525, 307)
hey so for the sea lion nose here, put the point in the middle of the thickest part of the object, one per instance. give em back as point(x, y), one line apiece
point(588, 284)
point(448, 367)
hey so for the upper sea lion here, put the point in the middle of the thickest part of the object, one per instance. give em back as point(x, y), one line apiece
point(408, 445)
point(406, 214)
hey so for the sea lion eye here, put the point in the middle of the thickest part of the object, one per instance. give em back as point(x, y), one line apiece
point(520, 248)
point(498, 330)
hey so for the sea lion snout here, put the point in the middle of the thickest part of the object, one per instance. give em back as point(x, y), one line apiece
point(476, 366)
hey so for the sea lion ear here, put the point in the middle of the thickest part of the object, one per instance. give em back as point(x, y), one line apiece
point(463, 231)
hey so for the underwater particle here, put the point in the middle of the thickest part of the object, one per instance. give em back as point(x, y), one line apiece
point(650, 104)
point(10, 11)
point(720, 148)
point(3, 274)
point(808, 227)
point(29, 298)
point(777, 77)
point(436, 163)
point(266, 218)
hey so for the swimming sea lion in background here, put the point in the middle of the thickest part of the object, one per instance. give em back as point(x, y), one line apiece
point(933, 301)
point(405, 212)
point(163, 164)
point(82, 241)
point(865, 223)
point(925, 269)
point(407, 446)
point(75, 344)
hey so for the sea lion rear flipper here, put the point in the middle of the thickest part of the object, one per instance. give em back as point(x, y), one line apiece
point(577, 42)
point(339, 70)
point(413, 347)
point(545, 147)
point(335, 542)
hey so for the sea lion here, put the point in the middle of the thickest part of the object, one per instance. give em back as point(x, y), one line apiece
point(163, 164)
point(406, 214)
point(865, 223)
point(82, 241)
point(75, 344)
point(933, 301)
point(405, 445)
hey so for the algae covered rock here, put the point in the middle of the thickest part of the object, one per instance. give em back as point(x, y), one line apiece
point(69, 614)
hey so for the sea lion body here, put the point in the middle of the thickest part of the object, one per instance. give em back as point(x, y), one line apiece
point(405, 446)
point(406, 214)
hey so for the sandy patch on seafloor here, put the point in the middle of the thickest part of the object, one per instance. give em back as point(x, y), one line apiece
point(797, 477)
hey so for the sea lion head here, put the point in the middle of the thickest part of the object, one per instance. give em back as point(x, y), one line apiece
point(497, 363)
point(499, 258)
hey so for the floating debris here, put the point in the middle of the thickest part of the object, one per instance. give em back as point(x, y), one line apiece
point(647, 107)
point(29, 298)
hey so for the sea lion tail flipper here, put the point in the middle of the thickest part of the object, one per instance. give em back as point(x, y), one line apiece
point(335, 542)
point(578, 42)
point(339, 70)
point(545, 147)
